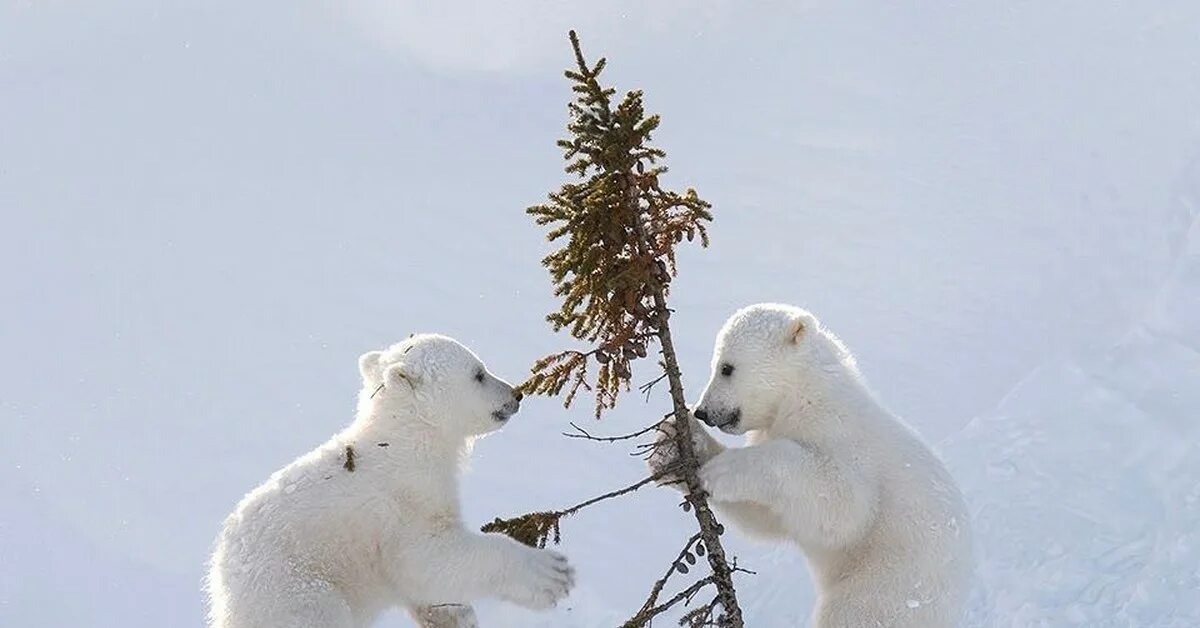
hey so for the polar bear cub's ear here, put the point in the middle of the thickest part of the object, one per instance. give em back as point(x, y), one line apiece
point(401, 373)
point(368, 365)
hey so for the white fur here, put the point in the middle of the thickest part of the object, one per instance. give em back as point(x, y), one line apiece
point(321, 545)
point(825, 466)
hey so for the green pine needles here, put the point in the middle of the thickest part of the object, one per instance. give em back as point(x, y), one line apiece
point(621, 229)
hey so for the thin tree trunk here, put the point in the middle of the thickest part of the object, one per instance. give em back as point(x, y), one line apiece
point(710, 530)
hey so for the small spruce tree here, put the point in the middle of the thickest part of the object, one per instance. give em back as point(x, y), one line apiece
point(618, 231)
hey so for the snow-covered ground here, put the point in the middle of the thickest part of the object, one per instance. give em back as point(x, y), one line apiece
point(208, 210)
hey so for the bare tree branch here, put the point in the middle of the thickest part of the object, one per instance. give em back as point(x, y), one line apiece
point(536, 528)
point(609, 439)
point(644, 616)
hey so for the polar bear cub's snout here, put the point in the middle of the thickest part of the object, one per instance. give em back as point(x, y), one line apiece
point(719, 406)
point(505, 399)
point(511, 407)
point(724, 419)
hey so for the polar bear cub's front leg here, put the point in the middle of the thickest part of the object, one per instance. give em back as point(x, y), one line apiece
point(534, 578)
point(754, 518)
point(817, 500)
point(471, 566)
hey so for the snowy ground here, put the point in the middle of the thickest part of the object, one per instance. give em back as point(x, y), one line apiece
point(208, 211)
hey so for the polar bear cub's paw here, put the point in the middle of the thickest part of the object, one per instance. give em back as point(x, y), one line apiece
point(544, 578)
point(663, 456)
point(665, 453)
point(725, 477)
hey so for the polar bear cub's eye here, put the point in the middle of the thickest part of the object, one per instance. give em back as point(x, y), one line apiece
point(726, 369)
point(479, 376)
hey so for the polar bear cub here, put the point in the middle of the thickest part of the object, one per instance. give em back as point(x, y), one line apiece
point(825, 466)
point(370, 520)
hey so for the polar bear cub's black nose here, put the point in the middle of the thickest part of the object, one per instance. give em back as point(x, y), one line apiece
point(701, 414)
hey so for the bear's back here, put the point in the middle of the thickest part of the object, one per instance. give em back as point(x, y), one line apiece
point(313, 519)
point(921, 541)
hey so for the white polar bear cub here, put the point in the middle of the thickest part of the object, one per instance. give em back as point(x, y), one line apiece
point(825, 466)
point(370, 520)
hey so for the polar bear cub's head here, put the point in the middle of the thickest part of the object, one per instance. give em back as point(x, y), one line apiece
point(768, 359)
point(439, 382)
